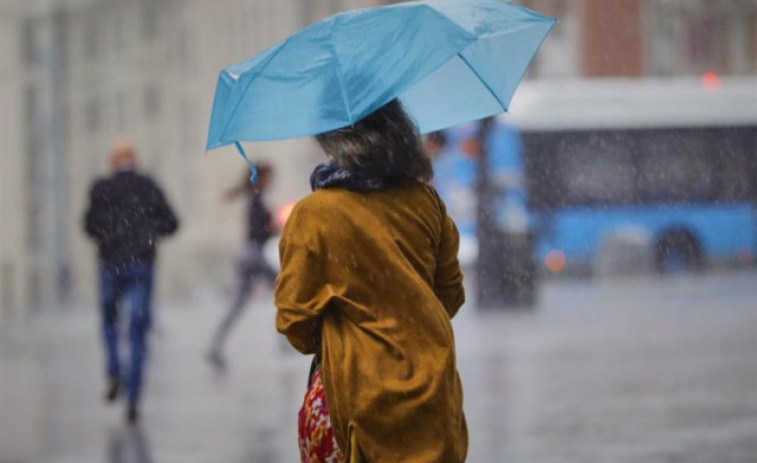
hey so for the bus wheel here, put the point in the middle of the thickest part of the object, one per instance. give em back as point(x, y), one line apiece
point(678, 250)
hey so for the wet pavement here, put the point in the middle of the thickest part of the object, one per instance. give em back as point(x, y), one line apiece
point(641, 370)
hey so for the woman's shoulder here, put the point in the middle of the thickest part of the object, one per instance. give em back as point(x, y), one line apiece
point(422, 192)
point(324, 200)
point(323, 213)
point(318, 207)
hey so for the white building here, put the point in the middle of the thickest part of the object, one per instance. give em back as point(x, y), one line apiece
point(75, 75)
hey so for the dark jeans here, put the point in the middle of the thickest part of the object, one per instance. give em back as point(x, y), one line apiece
point(251, 267)
point(133, 283)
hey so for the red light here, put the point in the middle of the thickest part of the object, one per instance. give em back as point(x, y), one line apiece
point(555, 261)
point(471, 148)
point(711, 81)
point(284, 213)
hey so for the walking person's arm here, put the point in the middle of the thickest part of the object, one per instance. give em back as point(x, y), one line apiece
point(166, 222)
point(94, 218)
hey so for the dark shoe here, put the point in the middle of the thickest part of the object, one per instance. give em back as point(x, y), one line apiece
point(216, 359)
point(112, 390)
point(132, 415)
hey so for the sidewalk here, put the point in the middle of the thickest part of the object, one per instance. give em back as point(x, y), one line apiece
point(630, 372)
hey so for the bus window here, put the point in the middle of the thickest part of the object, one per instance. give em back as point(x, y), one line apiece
point(676, 167)
point(597, 168)
point(735, 182)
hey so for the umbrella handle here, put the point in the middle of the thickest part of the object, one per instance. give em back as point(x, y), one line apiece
point(253, 169)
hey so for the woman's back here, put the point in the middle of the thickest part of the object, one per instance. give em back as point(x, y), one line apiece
point(373, 280)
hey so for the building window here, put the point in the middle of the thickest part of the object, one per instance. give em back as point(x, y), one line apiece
point(93, 115)
point(120, 111)
point(336, 6)
point(185, 50)
point(150, 19)
point(33, 169)
point(91, 36)
point(35, 288)
point(118, 29)
point(29, 46)
point(188, 128)
point(62, 34)
point(31, 118)
point(306, 11)
point(689, 38)
point(753, 41)
point(152, 101)
point(7, 287)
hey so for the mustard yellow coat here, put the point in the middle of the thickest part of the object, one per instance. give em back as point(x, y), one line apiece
point(373, 279)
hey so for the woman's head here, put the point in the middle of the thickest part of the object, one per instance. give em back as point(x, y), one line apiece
point(385, 143)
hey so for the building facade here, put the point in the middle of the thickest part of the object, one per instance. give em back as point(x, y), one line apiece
point(76, 75)
point(11, 164)
point(638, 38)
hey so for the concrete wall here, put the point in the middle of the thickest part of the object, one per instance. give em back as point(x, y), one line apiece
point(146, 71)
point(11, 219)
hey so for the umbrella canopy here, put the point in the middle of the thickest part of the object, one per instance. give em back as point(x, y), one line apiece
point(449, 61)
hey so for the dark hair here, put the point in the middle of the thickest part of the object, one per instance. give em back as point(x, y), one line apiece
point(263, 168)
point(384, 143)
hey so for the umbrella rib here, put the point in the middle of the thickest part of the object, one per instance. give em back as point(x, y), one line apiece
point(339, 74)
point(483, 81)
point(246, 87)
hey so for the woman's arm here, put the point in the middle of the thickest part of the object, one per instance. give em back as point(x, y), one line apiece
point(301, 290)
point(448, 278)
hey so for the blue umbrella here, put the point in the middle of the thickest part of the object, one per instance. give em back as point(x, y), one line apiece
point(449, 62)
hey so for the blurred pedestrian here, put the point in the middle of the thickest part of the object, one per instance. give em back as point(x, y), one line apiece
point(127, 215)
point(251, 265)
point(434, 143)
point(369, 283)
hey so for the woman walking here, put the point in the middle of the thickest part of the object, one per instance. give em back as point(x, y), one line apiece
point(251, 265)
point(369, 283)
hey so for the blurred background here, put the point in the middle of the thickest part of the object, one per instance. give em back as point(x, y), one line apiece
point(77, 75)
point(609, 227)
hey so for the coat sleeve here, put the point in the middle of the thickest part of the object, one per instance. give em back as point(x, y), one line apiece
point(94, 220)
point(448, 278)
point(302, 293)
point(164, 218)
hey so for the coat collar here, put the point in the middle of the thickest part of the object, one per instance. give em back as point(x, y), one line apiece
point(330, 175)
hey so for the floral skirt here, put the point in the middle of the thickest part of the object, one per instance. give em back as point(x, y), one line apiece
point(316, 438)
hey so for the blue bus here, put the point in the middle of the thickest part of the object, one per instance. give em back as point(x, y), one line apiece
point(671, 165)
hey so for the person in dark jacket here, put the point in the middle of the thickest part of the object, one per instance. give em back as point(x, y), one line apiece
point(127, 215)
point(251, 265)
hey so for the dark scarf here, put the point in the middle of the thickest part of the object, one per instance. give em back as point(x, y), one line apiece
point(332, 176)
